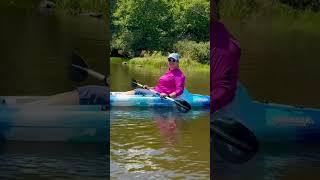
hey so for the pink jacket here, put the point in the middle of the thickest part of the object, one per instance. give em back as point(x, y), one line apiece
point(224, 66)
point(171, 81)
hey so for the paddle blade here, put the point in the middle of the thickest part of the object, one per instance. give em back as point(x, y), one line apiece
point(233, 141)
point(182, 105)
point(134, 84)
point(77, 74)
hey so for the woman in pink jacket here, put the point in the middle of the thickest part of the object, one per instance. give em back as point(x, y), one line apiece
point(225, 55)
point(170, 84)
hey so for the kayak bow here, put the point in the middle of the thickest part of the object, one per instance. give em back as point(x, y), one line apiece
point(274, 122)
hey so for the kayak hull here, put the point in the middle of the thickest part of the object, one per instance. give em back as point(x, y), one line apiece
point(86, 124)
point(117, 99)
point(274, 122)
point(20, 121)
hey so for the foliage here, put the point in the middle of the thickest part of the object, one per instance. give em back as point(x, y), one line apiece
point(141, 25)
point(192, 50)
point(191, 19)
point(158, 60)
point(155, 25)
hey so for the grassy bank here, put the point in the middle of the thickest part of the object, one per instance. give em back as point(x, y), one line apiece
point(158, 61)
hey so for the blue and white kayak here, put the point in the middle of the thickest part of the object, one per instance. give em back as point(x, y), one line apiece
point(78, 123)
point(274, 122)
point(119, 99)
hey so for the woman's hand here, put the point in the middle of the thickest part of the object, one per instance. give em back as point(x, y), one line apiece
point(173, 95)
point(145, 87)
point(162, 95)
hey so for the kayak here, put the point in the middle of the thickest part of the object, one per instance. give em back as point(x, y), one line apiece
point(273, 122)
point(119, 99)
point(66, 124)
point(74, 123)
point(82, 123)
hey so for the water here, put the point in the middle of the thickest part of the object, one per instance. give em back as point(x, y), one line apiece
point(274, 162)
point(26, 160)
point(278, 64)
point(35, 52)
point(158, 143)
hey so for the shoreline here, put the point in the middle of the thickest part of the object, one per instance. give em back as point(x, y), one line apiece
point(161, 62)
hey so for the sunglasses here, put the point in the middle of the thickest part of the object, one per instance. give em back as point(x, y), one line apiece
point(172, 60)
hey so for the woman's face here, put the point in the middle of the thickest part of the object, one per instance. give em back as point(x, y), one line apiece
point(172, 63)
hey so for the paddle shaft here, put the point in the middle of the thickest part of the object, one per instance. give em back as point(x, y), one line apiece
point(169, 98)
point(91, 72)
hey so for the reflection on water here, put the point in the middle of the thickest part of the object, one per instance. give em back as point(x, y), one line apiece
point(159, 144)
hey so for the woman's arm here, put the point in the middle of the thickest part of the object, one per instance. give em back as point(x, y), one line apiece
point(179, 81)
point(224, 77)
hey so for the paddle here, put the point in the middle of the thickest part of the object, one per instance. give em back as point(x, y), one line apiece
point(79, 70)
point(182, 105)
point(232, 140)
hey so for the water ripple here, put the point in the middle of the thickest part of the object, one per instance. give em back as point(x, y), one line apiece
point(153, 148)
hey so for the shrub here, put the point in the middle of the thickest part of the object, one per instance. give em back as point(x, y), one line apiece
point(192, 50)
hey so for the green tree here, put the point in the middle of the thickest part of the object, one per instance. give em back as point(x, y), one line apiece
point(141, 25)
point(155, 25)
point(192, 19)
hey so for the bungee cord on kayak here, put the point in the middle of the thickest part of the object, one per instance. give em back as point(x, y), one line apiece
point(182, 105)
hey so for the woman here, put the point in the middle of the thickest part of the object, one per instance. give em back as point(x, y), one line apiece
point(170, 84)
point(224, 63)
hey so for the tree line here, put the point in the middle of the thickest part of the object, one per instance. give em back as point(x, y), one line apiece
point(160, 25)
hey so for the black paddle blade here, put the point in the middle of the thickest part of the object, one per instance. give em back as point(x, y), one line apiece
point(182, 105)
point(75, 73)
point(134, 84)
point(233, 141)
